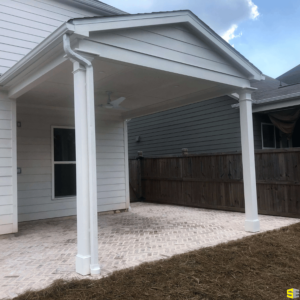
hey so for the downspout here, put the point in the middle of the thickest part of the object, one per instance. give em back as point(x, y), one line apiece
point(95, 268)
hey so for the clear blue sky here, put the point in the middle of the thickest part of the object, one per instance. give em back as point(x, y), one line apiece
point(266, 32)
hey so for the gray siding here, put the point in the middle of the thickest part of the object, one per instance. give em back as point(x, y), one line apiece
point(204, 127)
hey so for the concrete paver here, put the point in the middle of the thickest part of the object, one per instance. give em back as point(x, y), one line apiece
point(45, 250)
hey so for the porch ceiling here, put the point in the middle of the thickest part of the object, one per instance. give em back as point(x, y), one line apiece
point(144, 88)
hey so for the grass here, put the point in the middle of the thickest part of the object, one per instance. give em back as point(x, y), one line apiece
point(261, 266)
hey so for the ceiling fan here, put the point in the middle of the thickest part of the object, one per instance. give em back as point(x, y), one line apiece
point(113, 104)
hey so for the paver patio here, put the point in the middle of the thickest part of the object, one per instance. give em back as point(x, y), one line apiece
point(45, 250)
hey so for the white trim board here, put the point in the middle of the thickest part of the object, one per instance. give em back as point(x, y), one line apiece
point(275, 105)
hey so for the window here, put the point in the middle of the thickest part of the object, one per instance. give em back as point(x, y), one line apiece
point(268, 136)
point(64, 162)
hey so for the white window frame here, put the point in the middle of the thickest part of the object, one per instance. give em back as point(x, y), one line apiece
point(53, 163)
point(262, 135)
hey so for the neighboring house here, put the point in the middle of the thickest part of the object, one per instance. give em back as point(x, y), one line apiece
point(291, 77)
point(83, 53)
point(213, 125)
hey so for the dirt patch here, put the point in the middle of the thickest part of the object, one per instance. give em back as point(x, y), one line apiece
point(261, 266)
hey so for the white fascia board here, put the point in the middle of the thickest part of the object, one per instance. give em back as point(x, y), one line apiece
point(153, 61)
point(277, 98)
point(36, 53)
point(270, 101)
point(276, 105)
point(134, 21)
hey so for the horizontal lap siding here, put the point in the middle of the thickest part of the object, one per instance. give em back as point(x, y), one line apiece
point(6, 180)
point(204, 127)
point(110, 163)
point(168, 42)
point(25, 23)
point(34, 157)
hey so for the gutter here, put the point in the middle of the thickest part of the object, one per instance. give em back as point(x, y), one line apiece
point(94, 266)
point(273, 99)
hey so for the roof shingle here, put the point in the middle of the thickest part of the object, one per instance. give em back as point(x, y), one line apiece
point(272, 88)
point(292, 76)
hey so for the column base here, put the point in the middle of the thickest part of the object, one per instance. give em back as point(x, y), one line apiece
point(129, 208)
point(95, 269)
point(252, 225)
point(83, 264)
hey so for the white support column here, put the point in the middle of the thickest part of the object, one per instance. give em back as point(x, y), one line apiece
point(93, 199)
point(83, 258)
point(87, 261)
point(252, 221)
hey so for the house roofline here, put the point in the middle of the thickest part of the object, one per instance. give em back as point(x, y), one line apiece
point(22, 64)
point(108, 9)
point(272, 99)
point(86, 20)
point(139, 20)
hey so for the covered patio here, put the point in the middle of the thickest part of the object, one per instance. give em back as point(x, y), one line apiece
point(148, 63)
point(44, 250)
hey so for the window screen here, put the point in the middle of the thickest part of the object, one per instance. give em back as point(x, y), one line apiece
point(64, 156)
point(268, 136)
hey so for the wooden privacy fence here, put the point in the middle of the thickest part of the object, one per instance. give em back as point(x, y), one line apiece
point(216, 181)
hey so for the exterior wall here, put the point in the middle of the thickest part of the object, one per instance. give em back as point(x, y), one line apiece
point(34, 157)
point(25, 23)
point(204, 127)
point(8, 216)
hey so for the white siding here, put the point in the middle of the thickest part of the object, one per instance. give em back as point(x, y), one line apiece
point(7, 218)
point(34, 157)
point(169, 42)
point(25, 23)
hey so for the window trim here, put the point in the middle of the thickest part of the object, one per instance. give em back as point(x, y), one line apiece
point(53, 163)
point(262, 136)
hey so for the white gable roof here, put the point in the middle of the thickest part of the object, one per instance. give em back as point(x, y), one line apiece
point(198, 27)
point(83, 27)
